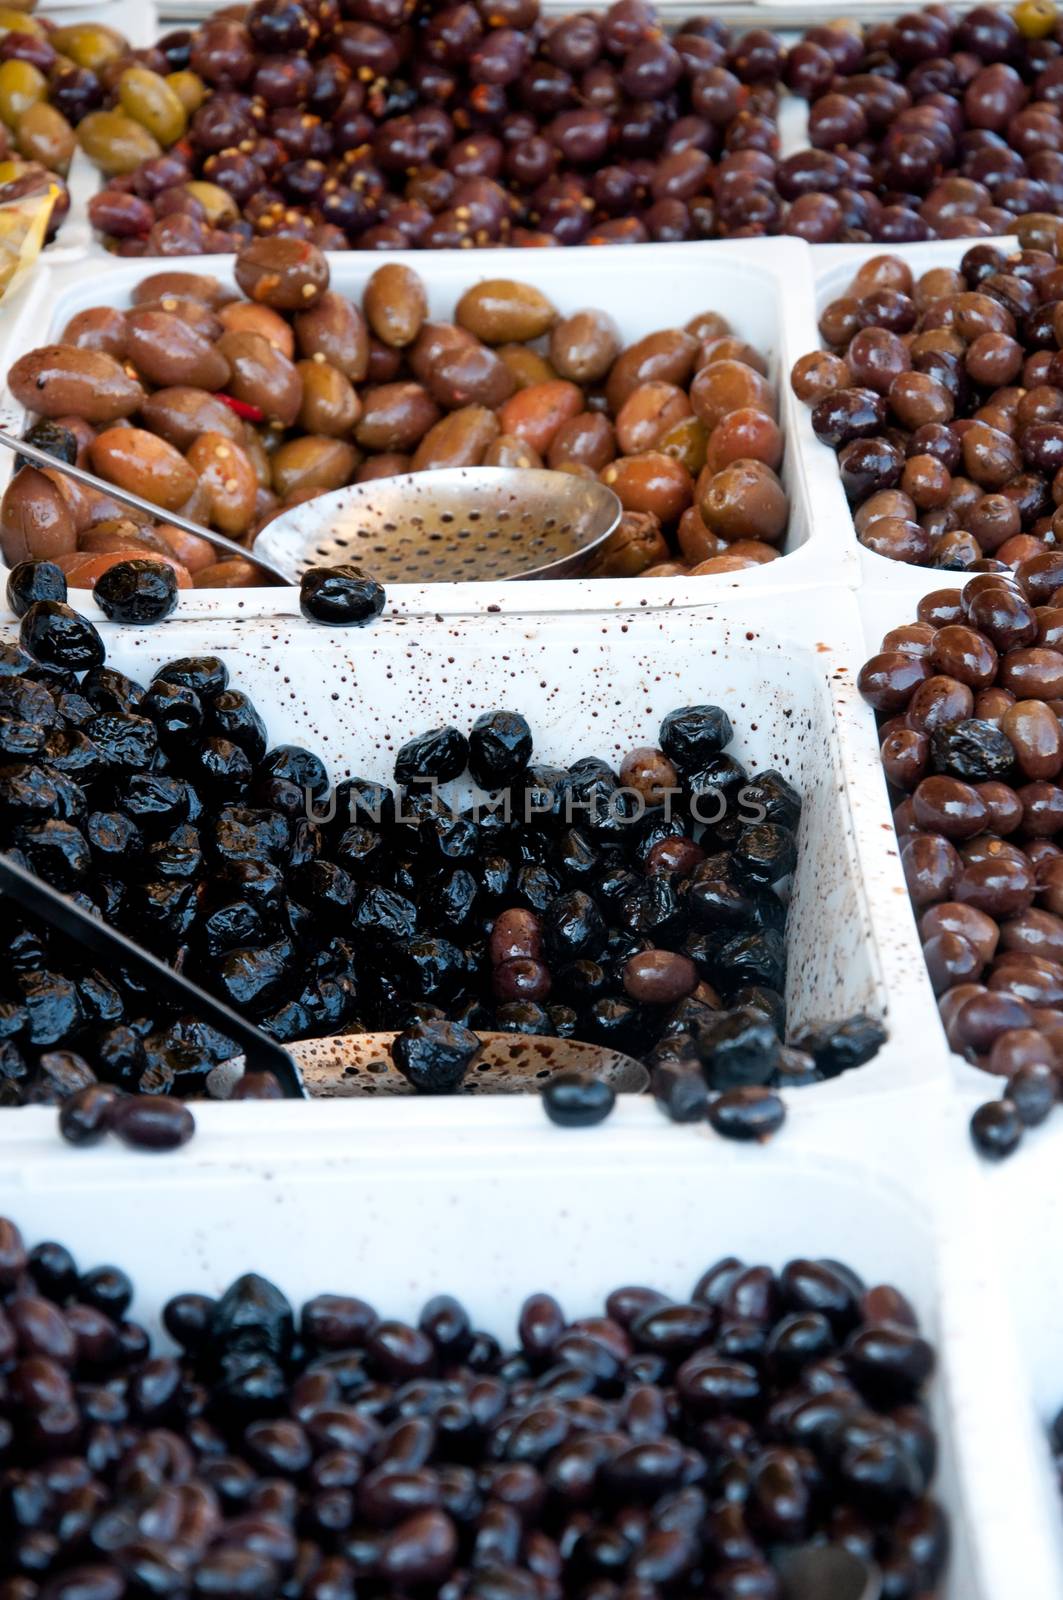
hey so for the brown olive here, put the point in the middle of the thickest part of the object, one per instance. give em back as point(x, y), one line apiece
point(35, 521)
point(99, 328)
point(240, 316)
point(499, 310)
point(395, 416)
point(647, 414)
point(185, 285)
point(261, 376)
point(167, 351)
point(587, 438)
point(584, 346)
point(667, 356)
point(459, 439)
point(395, 304)
point(222, 465)
point(329, 403)
point(651, 482)
point(536, 414)
point(726, 386)
point(147, 466)
point(313, 462)
point(57, 379)
point(745, 501)
point(335, 330)
point(286, 274)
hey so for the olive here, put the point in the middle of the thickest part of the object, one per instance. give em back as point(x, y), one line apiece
point(340, 596)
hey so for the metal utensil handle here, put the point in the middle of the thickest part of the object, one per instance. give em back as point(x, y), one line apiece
point(41, 458)
point(38, 897)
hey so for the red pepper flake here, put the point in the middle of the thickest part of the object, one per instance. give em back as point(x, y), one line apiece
point(242, 409)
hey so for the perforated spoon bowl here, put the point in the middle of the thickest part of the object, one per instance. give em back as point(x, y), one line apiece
point(359, 1065)
point(453, 525)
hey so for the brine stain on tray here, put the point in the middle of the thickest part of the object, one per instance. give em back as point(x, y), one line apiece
point(458, 525)
point(359, 1066)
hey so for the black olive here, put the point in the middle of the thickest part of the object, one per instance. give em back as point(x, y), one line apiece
point(573, 926)
point(738, 1048)
point(576, 1100)
point(222, 768)
point(680, 1091)
point(232, 716)
point(770, 793)
point(252, 1317)
point(500, 747)
point(435, 1056)
point(364, 803)
point(972, 750)
point(126, 742)
point(136, 591)
point(381, 913)
point(614, 1020)
point(20, 741)
point(54, 634)
point(341, 596)
point(693, 735)
point(58, 442)
point(523, 1016)
point(300, 767)
point(765, 853)
point(753, 958)
point(436, 756)
point(204, 675)
point(112, 691)
point(57, 852)
point(154, 801)
point(53, 1005)
point(747, 1114)
point(30, 581)
point(996, 1129)
point(837, 1047)
point(717, 901)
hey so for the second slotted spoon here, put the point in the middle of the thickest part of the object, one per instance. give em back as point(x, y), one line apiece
point(453, 525)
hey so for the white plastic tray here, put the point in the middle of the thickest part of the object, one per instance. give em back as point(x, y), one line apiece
point(600, 684)
point(833, 267)
point(652, 1204)
point(761, 289)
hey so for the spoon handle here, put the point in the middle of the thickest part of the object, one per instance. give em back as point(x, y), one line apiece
point(95, 935)
point(41, 458)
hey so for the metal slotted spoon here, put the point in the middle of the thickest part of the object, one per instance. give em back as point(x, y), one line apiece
point(452, 525)
point(359, 1066)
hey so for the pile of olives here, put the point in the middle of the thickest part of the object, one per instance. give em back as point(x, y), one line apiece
point(943, 397)
point(230, 410)
point(324, 1450)
point(581, 902)
point(402, 124)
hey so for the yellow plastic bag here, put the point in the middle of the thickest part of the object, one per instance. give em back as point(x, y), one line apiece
point(23, 226)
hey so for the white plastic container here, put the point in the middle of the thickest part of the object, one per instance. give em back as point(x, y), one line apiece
point(761, 289)
point(600, 684)
point(833, 268)
point(1020, 1210)
point(497, 1213)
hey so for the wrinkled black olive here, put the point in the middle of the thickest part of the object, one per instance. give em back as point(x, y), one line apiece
point(739, 1049)
point(342, 596)
point(54, 634)
point(435, 1056)
point(972, 750)
point(766, 853)
point(204, 675)
point(58, 442)
point(436, 756)
point(693, 735)
point(31, 581)
point(500, 747)
point(252, 1317)
point(837, 1047)
point(136, 591)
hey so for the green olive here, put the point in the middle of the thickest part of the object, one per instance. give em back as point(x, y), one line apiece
point(189, 89)
point(219, 205)
point(21, 86)
point(44, 135)
point(89, 44)
point(115, 142)
point(149, 100)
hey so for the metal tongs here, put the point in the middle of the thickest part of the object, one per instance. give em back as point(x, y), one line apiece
point(261, 1054)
